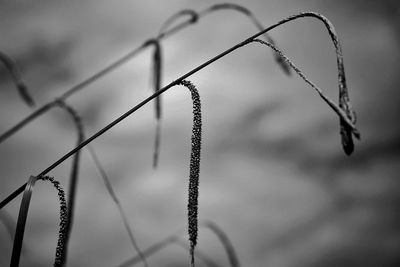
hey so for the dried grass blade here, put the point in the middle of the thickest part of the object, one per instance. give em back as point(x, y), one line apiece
point(174, 239)
point(346, 131)
point(194, 167)
point(114, 197)
point(227, 244)
point(198, 254)
point(340, 112)
point(157, 76)
point(256, 22)
point(16, 76)
point(193, 18)
point(22, 216)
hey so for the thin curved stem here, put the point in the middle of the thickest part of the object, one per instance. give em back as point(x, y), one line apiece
point(115, 198)
point(161, 91)
point(76, 118)
point(342, 115)
point(254, 20)
point(164, 34)
point(193, 18)
point(225, 241)
point(23, 215)
point(156, 79)
point(73, 182)
point(11, 66)
point(175, 238)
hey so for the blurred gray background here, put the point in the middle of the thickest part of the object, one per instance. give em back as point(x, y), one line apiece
point(273, 173)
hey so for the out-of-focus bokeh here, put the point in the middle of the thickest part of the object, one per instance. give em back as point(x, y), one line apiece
point(273, 173)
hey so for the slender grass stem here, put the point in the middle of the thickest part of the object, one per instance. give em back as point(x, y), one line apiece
point(73, 182)
point(345, 119)
point(117, 202)
point(23, 215)
point(254, 20)
point(175, 238)
point(156, 79)
point(342, 115)
point(121, 61)
point(11, 66)
point(76, 118)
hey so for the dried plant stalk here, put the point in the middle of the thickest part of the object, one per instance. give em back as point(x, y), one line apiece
point(255, 21)
point(193, 18)
point(194, 168)
point(73, 183)
point(245, 42)
point(74, 180)
point(346, 129)
point(344, 118)
point(225, 241)
point(23, 214)
point(156, 73)
point(115, 199)
point(174, 239)
point(17, 79)
point(215, 229)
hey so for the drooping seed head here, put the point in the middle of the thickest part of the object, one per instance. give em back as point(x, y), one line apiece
point(194, 168)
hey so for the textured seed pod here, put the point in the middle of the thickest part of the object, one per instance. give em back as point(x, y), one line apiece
point(194, 168)
point(63, 226)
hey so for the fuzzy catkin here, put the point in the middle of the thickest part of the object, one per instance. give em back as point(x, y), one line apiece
point(62, 232)
point(194, 168)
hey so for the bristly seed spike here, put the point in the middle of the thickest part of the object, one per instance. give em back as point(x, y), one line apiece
point(194, 168)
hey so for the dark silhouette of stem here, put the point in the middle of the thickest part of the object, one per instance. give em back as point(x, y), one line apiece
point(156, 79)
point(17, 79)
point(193, 18)
point(164, 34)
point(22, 216)
point(121, 211)
point(335, 107)
point(254, 20)
point(73, 182)
point(175, 238)
point(339, 111)
point(225, 241)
